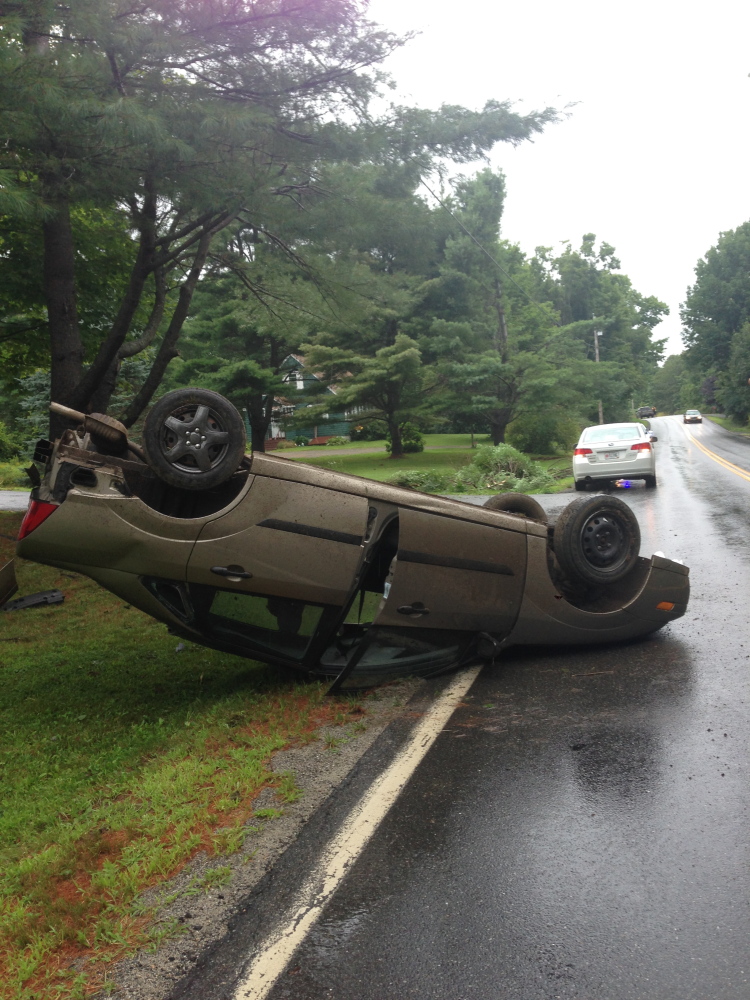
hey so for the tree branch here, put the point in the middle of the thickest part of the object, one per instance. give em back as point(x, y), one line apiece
point(142, 267)
point(167, 350)
point(133, 347)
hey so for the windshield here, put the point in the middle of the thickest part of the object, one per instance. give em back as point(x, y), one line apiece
point(608, 432)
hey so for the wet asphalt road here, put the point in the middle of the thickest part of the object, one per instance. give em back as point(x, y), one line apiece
point(580, 829)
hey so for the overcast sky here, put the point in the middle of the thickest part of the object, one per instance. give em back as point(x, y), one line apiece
point(655, 155)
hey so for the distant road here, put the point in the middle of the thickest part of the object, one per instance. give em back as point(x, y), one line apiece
point(14, 499)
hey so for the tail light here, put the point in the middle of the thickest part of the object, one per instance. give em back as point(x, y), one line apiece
point(641, 446)
point(583, 451)
point(37, 512)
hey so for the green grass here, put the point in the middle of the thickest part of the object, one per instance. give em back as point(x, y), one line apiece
point(727, 424)
point(431, 441)
point(380, 466)
point(120, 758)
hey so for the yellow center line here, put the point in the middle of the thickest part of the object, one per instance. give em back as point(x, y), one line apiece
point(730, 466)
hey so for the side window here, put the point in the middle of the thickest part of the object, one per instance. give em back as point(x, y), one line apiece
point(259, 622)
point(364, 608)
point(424, 651)
point(378, 653)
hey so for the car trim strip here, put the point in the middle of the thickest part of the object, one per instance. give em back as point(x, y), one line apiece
point(311, 531)
point(454, 562)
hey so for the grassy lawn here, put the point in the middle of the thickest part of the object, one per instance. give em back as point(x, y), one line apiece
point(431, 441)
point(120, 759)
point(727, 424)
point(455, 452)
point(379, 465)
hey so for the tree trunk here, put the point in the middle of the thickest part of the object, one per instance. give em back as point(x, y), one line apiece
point(66, 348)
point(397, 444)
point(259, 407)
point(498, 423)
point(501, 334)
point(101, 396)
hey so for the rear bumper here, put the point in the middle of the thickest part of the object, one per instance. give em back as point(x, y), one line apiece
point(660, 595)
point(614, 470)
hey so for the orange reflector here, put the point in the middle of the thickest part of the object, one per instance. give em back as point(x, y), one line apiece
point(664, 606)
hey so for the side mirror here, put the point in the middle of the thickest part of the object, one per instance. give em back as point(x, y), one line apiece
point(654, 438)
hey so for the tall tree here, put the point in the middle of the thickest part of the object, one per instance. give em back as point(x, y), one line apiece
point(392, 386)
point(611, 320)
point(717, 306)
point(507, 354)
point(191, 117)
point(733, 391)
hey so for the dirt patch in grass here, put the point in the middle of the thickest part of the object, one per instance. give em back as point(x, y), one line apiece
point(131, 762)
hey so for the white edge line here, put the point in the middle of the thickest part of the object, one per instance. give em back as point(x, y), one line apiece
point(277, 950)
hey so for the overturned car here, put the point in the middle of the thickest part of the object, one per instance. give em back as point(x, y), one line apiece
point(326, 572)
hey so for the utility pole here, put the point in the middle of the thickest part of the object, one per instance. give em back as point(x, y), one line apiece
point(597, 335)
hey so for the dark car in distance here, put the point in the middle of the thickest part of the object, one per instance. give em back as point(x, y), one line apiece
point(646, 411)
point(329, 573)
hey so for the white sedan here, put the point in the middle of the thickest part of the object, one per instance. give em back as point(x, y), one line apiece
point(608, 452)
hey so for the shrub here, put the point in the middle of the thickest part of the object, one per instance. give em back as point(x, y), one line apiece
point(12, 475)
point(286, 443)
point(338, 440)
point(543, 434)
point(427, 480)
point(411, 439)
point(10, 445)
point(500, 469)
point(367, 432)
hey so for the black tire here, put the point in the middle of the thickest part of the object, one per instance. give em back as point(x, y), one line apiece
point(580, 486)
point(597, 540)
point(517, 503)
point(650, 482)
point(194, 439)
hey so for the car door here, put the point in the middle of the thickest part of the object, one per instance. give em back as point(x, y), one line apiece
point(286, 540)
point(456, 574)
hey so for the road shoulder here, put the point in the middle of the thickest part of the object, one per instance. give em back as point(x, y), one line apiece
point(194, 909)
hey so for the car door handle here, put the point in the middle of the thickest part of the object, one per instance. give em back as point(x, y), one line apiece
point(236, 572)
point(416, 609)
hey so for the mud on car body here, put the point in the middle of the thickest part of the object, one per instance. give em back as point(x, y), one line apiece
point(326, 572)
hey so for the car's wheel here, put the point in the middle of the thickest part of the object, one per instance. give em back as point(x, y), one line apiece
point(194, 439)
point(650, 482)
point(580, 486)
point(517, 503)
point(597, 539)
